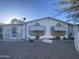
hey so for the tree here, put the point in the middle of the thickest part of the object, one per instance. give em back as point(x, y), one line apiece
point(16, 21)
point(71, 7)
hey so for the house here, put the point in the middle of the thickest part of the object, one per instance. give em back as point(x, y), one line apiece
point(43, 28)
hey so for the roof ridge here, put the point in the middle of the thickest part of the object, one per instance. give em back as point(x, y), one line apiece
point(49, 17)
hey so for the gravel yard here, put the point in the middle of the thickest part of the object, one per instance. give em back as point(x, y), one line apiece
point(59, 49)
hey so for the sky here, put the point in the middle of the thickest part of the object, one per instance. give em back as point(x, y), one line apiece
point(31, 9)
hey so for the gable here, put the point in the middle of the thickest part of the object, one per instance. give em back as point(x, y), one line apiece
point(47, 21)
point(48, 18)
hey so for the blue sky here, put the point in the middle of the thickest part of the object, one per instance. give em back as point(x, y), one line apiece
point(31, 9)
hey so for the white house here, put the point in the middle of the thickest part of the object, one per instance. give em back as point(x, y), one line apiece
point(11, 31)
point(46, 27)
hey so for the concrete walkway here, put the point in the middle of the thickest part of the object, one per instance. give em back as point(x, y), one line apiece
point(38, 50)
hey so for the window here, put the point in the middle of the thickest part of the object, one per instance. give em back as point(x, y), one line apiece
point(52, 28)
point(59, 24)
point(37, 24)
point(0, 29)
point(36, 30)
point(1, 34)
point(14, 32)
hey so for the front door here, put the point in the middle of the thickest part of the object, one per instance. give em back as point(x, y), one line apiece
point(14, 33)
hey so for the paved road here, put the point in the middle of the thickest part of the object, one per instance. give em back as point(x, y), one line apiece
point(38, 50)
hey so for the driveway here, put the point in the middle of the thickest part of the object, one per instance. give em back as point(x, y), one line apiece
point(59, 49)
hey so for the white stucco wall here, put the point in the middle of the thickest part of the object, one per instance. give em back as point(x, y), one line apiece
point(7, 32)
point(75, 30)
point(48, 23)
point(20, 32)
point(71, 30)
